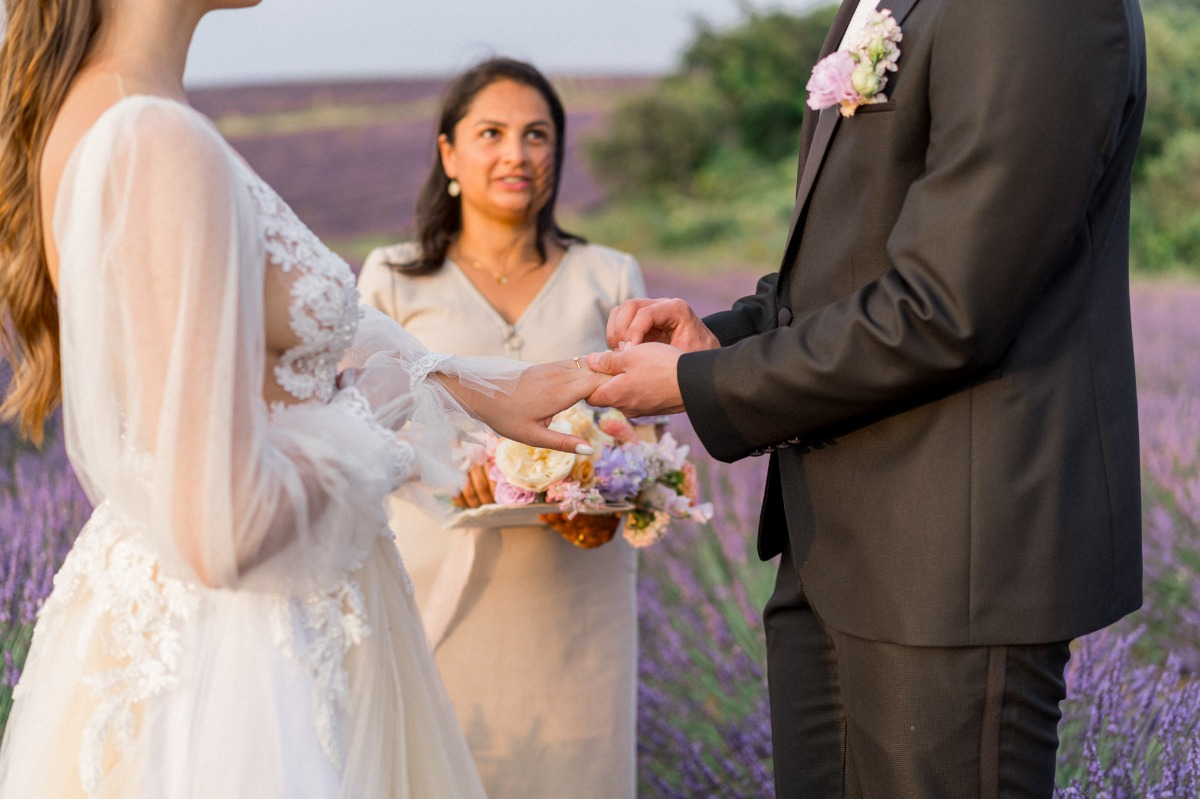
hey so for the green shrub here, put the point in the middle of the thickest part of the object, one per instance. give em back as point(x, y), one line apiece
point(1166, 212)
point(657, 141)
point(759, 71)
point(738, 90)
point(1173, 76)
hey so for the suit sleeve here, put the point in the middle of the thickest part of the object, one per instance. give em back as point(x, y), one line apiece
point(1027, 103)
point(749, 316)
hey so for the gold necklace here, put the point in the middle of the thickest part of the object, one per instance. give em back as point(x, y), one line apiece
point(501, 278)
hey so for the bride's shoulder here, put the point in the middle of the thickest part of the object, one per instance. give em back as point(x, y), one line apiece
point(152, 122)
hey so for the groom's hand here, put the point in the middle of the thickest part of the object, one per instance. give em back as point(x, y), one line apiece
point(663, 321)
point(644, 382)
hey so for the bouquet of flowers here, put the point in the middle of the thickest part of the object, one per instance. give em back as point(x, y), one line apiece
point(645, 482)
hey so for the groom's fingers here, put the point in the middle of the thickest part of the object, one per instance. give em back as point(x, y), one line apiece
point(661, 315)
point(607, 395)
point(607, 363)
point(619, 319)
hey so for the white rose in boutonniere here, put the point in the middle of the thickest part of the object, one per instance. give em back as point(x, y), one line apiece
point(857, 75)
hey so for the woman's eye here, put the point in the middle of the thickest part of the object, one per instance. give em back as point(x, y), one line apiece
point(489, 133)
point(538, 136)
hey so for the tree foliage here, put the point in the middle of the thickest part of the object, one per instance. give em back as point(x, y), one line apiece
point(1166, 190)
point(735, 89)
point(759, 70)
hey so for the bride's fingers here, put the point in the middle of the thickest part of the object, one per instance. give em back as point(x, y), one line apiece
point(537, 435)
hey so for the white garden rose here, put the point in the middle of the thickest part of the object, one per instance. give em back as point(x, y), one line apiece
point(579, 420)
point(532, 468)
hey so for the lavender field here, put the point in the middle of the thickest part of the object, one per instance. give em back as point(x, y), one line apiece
point(1131, 725)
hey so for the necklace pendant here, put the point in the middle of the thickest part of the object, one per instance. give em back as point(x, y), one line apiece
point(502, 280)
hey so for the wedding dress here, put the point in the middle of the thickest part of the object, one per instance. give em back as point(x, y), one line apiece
point(234, 619)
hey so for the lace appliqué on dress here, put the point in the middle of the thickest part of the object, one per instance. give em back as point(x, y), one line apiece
point(134, 618)
point(317, 631)
point(324, 307)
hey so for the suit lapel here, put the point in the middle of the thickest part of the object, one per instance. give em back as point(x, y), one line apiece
point(814, 146)
point(832, 39)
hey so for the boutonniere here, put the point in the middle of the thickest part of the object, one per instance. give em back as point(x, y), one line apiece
point(857, 75)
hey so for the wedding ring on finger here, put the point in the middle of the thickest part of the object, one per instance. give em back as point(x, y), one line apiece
point(578, 365)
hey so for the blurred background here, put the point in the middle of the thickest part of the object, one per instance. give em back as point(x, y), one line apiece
point(683, 132)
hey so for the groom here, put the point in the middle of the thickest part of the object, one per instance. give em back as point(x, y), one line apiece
point(942, 374)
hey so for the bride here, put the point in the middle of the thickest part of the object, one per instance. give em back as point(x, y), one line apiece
point(232, 620)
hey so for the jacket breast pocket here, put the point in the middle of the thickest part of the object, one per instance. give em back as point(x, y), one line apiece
point(875, 108)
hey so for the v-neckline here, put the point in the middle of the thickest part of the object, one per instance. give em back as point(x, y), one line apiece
point(492, 310)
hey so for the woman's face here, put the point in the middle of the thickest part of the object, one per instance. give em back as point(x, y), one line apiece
point(503, 153)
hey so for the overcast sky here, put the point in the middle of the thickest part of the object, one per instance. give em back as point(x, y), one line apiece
point(304, 39)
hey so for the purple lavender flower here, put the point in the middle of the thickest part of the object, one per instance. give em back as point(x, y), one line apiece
point(620, 472)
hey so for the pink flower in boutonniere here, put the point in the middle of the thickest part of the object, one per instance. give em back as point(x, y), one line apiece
point(857, 75)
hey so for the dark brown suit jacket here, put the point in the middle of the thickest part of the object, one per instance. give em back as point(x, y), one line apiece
point(942, 367)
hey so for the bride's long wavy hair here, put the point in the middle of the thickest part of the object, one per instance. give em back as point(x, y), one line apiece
point(44, 43)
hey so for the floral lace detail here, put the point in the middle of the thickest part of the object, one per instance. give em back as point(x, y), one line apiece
point(404, 457)
point(324, 307)
point(134, 617)
point(426, 365)
point(317, 631)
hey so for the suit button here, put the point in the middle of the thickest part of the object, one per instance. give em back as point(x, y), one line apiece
point(785, 317)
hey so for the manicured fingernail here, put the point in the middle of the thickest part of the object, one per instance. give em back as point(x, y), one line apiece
point(584, 449)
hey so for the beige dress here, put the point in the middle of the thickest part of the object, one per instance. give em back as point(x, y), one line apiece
point(536, 639)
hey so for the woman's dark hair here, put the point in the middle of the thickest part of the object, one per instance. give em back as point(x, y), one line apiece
point(439, 216)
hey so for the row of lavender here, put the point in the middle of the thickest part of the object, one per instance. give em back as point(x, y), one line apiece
point(41, 510)
point(1130, 725)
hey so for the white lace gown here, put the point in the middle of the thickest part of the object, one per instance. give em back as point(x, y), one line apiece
point(234, 620)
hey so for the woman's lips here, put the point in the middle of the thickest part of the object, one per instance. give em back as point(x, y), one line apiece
point(515, 182)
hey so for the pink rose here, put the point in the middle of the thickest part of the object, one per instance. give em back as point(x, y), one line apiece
point(508, 494)
point(831, 82)
point(619, 429)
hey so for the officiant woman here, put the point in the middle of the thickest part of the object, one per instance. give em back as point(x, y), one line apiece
point(535, 636)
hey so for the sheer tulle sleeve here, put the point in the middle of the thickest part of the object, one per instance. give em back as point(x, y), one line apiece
point(162, 302)
point(396, 374)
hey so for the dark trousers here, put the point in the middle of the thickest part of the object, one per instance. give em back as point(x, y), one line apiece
point(854, 718)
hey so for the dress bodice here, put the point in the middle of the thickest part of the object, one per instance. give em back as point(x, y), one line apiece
point(316, 287)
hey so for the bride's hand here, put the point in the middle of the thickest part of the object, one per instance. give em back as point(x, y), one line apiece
point(542, 391)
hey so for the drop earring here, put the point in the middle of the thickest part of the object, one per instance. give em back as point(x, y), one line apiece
point(453, 188)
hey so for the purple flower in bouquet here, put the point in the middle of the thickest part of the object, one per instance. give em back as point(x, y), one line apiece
point(620, 472)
